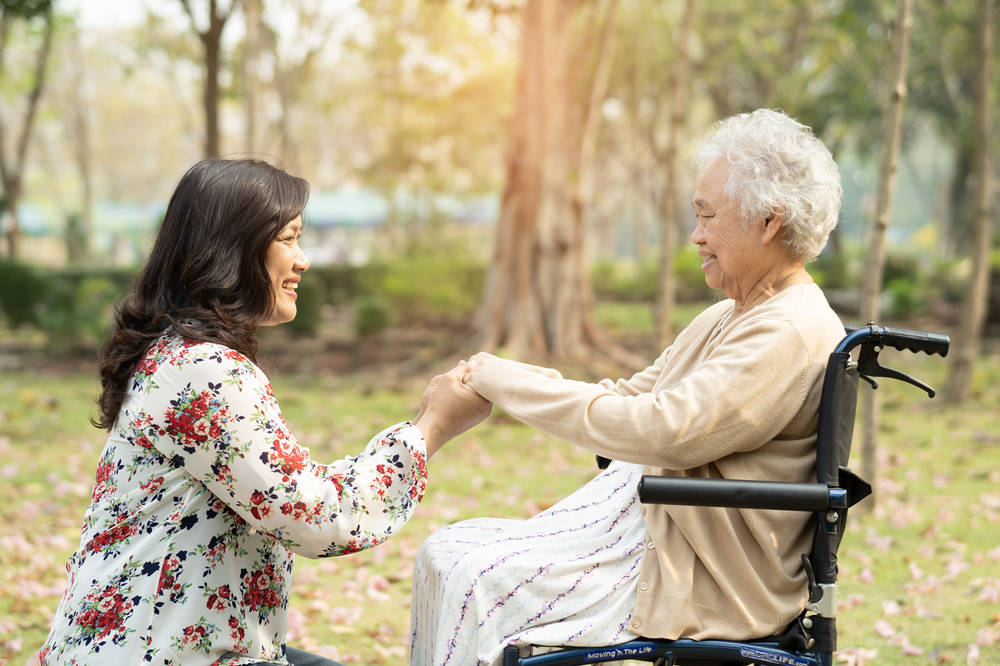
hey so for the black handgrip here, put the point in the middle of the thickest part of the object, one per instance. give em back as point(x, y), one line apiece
point(915, 341)
point(734, 493)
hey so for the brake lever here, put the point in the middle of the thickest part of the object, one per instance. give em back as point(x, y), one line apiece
point(869, 367)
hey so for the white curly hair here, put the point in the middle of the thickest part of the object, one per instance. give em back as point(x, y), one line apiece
point(777, 165)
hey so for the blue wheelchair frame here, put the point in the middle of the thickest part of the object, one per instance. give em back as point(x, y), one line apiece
point(811, 639)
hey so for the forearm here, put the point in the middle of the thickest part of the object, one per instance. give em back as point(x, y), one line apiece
point(712, 413)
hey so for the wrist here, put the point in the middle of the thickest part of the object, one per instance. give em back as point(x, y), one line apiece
point(430, 431)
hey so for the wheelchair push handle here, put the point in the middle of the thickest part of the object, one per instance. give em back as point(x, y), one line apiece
point(897, 338)
point(915, 341)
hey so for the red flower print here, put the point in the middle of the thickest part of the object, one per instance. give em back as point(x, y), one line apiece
point(262, 512)
point(153, 485)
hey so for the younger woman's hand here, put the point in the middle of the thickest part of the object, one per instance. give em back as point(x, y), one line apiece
point(449, 408)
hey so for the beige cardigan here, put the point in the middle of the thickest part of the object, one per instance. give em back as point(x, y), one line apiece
point(732, 399)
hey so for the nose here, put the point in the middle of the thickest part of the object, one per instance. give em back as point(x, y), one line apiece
point(301, 261)
point(698, 235)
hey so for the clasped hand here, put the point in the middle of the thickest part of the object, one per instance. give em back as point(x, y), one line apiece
point(449, 406)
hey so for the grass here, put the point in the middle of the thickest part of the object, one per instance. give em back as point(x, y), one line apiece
point(922, 568)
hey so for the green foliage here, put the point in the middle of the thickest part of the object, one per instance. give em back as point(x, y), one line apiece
point(829, 271)
point(341, 283)
point(26, 8)
point(23, 290)
point(308, 307)
point(901, 267)
point(371, 315)
point(629, 281)
point(73, 307)
point(442, 288)
point(434, 93)
point(691, 287)
point(906, 298)
point(905, 286)
point(619, 281)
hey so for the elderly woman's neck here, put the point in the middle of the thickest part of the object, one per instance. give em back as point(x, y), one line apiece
point(773, 282)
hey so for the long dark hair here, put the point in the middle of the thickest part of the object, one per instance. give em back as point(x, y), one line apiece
point(206, 277)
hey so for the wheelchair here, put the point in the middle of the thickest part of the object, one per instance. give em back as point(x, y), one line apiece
point(811, 638)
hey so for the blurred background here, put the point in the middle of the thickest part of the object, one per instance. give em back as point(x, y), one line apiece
point(414, 122)
point(509, 175)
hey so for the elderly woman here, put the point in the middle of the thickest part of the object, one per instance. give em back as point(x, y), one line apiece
point(735, 396)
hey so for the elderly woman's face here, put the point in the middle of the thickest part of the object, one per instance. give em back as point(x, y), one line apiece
point(729, 252)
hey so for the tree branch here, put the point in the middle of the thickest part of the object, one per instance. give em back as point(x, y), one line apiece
point(36, 91)
point(194, 22)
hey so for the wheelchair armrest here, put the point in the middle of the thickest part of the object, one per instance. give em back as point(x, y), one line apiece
point(740, 494)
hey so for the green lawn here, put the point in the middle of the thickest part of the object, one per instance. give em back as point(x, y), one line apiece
point(923, 568)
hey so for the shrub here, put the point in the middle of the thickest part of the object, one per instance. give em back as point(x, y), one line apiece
point(432, 288)
point(906, 298)
point(23, 292)
point(341, 284)
point(309, 307)
point(371, 315)
point(626, 281)
point(829, 271)
point(74, 307)
point(901, 266)
point(691, 287)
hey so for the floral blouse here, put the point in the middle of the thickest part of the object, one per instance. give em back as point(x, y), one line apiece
point(201, 498)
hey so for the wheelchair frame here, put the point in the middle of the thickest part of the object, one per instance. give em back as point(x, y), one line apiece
point(811, 638)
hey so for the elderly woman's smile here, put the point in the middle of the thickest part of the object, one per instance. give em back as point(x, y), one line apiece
point(731, 252)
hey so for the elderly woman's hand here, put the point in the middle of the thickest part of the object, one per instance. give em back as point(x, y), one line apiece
point(448, 408)
point(479, 362)
point(476, 363)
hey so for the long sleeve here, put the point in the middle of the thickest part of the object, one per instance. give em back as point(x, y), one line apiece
point(218, 420)
point(642, 381)
point(739, 396)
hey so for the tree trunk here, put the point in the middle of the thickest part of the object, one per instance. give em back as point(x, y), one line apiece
point(598, 91)
point(251, 63)
point(955, 235)
point(78, 226)
point(967, 336)
point(872, 285)
point(538, 301)
point(211, 39)
point(288, 150)
point(12, 174)
point(669, 223)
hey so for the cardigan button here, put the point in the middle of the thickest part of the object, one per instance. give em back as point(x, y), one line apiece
point(644, 511)
point(643, 586)
point(650, 545)
point(635, 624)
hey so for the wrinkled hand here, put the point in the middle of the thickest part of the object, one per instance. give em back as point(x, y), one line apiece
point(448, 408)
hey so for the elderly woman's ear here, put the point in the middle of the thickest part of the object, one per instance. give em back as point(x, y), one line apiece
point(773, 227)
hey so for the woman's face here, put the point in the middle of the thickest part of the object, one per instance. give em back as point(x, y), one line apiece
point(730, 253)
point(285, 263)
